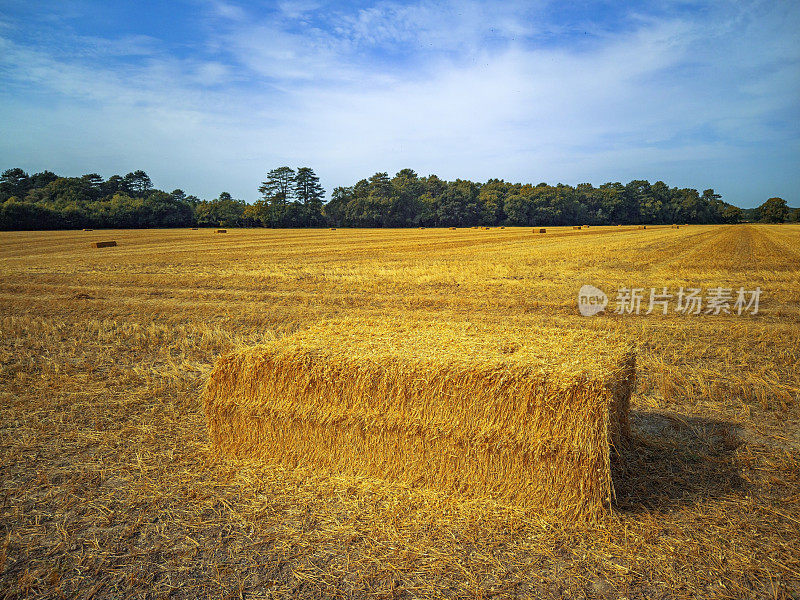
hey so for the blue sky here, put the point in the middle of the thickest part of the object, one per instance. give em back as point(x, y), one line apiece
point(208, 95)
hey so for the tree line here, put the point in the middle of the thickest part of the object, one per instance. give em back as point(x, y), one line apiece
point(294, 198)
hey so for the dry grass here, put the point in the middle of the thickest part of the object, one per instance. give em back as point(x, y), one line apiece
point(111, 489)
point(477, 410)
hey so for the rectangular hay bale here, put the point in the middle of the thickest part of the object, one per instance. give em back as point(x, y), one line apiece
point(110, 244)
point(526, 417)
point(576, 227)
point(221, 231)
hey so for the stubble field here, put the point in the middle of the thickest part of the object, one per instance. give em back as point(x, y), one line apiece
point(110, 489)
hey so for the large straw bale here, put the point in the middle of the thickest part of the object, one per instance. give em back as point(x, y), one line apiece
point(109, 244)
point(526, 417)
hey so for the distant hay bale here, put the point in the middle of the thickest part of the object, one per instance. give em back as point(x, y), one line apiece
point(526, 419)
point(104, 244)
point(86, 229)
point(674, 226)
point(502, 227)
point(586, 227)
point(194, 228)
point(221, 231)
point(576, 227)
point(642, 227)
point(333, 229)
point(452, 229)
point(540, 230)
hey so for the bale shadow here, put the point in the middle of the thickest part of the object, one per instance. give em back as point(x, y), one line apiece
point(674, 461)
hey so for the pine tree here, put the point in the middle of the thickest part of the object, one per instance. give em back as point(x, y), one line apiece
point(276, 192)
point(307, 188)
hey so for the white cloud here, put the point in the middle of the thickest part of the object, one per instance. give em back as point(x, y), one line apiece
point(297, 9)
point(421, 86)
point(126, 46)
point(227, 10)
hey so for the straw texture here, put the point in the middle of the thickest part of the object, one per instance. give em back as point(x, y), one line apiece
point(527, 418)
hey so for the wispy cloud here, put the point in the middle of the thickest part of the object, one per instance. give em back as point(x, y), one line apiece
point(705, 96)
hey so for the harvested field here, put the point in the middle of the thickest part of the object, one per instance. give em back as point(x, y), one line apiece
point(111, 487)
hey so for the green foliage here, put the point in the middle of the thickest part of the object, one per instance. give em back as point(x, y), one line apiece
point(46, 201)
point(773, 210)
point(409, 200)
point(278, 185)
point(732, 214)
point(24, 215)
point(294, 198)
point(137, 183)
point(334, 211)
point(309, 194)
point(13, 183)
point(163, 210)
point(224, 211)
point(289, 199)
